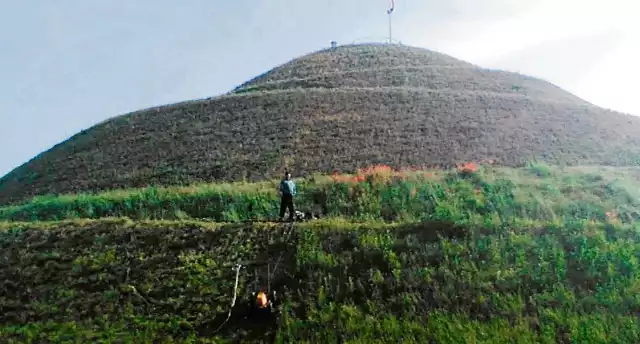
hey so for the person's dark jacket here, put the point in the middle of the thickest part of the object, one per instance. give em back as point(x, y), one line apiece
point(288, 187)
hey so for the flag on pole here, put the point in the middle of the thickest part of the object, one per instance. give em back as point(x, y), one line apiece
point(393, 5)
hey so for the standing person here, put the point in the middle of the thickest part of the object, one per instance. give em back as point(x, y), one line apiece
point(287, 190)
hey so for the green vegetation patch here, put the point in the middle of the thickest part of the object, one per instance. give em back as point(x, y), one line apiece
point(537, 192)
point(118, 280)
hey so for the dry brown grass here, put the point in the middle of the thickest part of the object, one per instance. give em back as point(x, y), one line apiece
point(337, 110)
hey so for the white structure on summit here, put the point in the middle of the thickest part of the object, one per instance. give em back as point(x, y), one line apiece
point(392, 6)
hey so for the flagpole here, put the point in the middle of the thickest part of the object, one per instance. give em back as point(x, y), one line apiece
point(392, 6)
point(389, 12)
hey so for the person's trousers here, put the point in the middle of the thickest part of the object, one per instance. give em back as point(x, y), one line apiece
point(286, 201)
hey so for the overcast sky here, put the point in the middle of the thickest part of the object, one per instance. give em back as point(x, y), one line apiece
point(66, 65)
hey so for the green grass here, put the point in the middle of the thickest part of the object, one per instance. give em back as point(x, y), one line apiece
point(530, 258)
point(354, 282)
point(538, 192)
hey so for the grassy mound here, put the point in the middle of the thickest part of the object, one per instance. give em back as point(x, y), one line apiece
point(539, 255)
point(336, 109)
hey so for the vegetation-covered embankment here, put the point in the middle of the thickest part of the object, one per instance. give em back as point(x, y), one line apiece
point(485, 255)
point(114, 279)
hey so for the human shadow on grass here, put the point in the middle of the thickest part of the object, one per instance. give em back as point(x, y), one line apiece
point(247, 323)
point(241, 325)
point(271, 270)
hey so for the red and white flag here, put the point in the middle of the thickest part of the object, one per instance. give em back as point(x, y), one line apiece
point(393, 5)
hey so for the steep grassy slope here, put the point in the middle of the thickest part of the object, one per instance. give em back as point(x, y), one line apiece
point(116, 280)
point(343, 109)
point(540, 255)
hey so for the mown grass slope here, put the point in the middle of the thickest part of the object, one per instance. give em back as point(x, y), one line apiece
point(535, 255)
point(160, 281)
point(336, 109)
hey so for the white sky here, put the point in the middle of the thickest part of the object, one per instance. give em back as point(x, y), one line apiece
point(69, 64)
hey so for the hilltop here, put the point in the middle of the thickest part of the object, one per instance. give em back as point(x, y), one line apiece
point(339, 109)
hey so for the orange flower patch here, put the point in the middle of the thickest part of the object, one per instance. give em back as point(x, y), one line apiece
point(376, 173)
point(359, 178)
point(468, 167)
point(376, 169)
